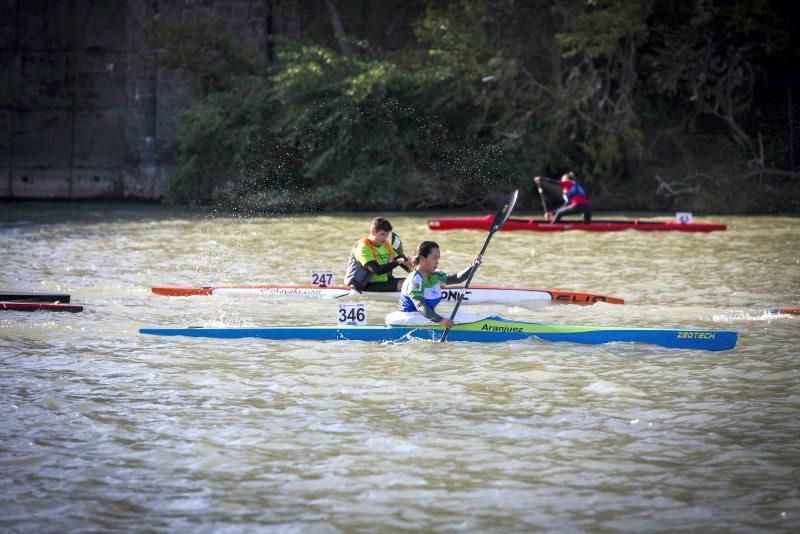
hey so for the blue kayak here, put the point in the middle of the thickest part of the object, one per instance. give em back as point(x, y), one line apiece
point(491, 330)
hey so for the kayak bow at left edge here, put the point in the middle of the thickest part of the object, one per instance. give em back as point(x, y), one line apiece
point(491, 330)
point(39, 306)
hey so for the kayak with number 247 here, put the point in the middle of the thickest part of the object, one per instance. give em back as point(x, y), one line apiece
point(474, 294)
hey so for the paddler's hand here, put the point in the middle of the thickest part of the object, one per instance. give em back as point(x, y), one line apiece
point(548, 216)
point(478, 259)
point(537, 179)
point(401, 260)
point(447, 323)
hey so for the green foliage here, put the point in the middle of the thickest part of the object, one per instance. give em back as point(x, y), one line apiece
point(601, 30)
point(207, 49)
point(709, 65)
point(487, 95)
point(337, 132)
point(226, 146)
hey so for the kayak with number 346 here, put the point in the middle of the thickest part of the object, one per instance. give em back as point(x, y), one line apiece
point(493, 329)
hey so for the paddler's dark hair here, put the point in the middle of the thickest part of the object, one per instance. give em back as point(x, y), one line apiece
point(381, 223)
point(423, 250)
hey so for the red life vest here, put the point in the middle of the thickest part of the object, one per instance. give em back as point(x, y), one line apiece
point(573, 193)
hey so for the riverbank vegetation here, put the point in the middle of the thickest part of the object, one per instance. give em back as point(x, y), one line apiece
point(676, 105)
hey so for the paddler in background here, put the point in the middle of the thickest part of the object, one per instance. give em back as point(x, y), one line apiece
point(422, 290)
point(374, 257)
point(575, 200)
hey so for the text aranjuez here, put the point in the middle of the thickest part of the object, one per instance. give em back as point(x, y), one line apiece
point(494, 328)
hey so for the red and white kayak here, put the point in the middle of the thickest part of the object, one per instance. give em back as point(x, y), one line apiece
point(475, 293)
point(39, 306)
point(533, 225)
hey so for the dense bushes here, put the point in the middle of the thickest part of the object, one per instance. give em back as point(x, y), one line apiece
point(487, 95)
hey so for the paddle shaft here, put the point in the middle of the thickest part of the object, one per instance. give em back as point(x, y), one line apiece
point(544, 204)
point(500, 217)
point(466, 285)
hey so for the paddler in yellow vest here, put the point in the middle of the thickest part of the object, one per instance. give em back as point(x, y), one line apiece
point(373, 258)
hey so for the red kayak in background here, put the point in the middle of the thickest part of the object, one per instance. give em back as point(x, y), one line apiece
point(533, 225)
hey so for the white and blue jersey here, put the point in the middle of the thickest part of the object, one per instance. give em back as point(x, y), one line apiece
point(417, 287)
point(422, 295)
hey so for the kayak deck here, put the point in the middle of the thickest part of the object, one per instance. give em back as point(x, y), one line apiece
point(485, 331)
point(534, 225)
point(475, 293)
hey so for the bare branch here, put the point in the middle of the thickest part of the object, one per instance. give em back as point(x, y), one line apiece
point(673, 189)
point(777, 173)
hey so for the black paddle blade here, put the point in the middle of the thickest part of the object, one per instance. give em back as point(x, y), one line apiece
point(504, 212)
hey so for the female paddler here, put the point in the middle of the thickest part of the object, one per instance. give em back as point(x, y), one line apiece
point(422, 290)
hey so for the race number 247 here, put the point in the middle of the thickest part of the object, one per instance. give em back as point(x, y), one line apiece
point(321, 277)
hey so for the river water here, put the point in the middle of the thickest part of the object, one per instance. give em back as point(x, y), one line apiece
point(106, 429)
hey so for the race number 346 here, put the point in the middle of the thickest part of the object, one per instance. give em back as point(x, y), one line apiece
point(352, 313)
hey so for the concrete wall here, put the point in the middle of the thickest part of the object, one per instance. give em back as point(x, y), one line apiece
point(83, 113)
